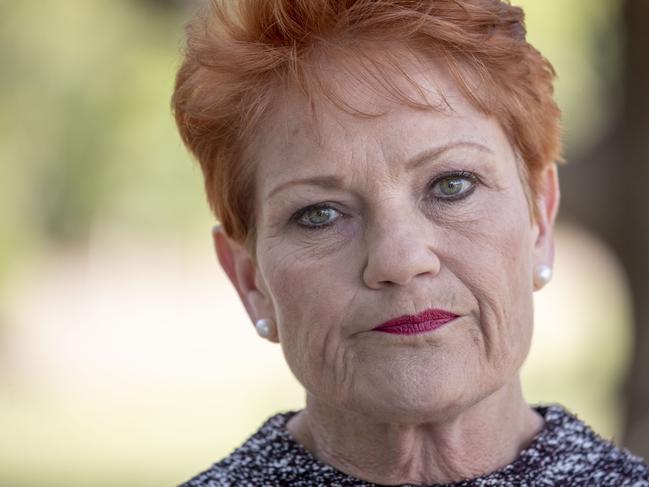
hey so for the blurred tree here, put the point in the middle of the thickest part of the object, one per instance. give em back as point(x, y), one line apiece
point(633, 231)
point(615, 205)
point(86, 135)
point(169, 4)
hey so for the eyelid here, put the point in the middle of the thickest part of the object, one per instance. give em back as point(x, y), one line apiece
point(295, 218)
point(474, 178)
point(455, 174)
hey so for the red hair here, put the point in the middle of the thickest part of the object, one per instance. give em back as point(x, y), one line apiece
point(240, 51)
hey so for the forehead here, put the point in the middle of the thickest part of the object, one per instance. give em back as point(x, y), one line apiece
point(302, 136)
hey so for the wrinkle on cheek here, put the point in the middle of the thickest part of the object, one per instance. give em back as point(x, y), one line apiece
point(316, 244)
point(323, 360)
point(337, 364)
point(465, 221)
point(317, 251)
point(275, 275)
point(347, 358)
point(314, 318)
point(498, 288)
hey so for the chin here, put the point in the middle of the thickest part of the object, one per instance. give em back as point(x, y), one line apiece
point(415, 410)
point(419, 394)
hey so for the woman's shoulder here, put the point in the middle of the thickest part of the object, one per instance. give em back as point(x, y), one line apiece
point(267, 457)
point(568, 452)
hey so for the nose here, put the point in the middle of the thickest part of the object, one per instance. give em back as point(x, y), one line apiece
point(398, 250)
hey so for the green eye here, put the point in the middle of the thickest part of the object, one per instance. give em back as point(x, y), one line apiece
point(453, 186)
point(317, 216)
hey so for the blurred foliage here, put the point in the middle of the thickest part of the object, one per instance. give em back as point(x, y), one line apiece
point(583, 41)
point(86, 133)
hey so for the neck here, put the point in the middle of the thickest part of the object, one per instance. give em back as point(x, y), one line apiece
point(483, 438)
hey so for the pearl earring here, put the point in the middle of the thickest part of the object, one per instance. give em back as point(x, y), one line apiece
point(542, 275)
point(264, 326)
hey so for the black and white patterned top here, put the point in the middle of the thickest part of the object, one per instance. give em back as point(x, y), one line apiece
point(565, 453)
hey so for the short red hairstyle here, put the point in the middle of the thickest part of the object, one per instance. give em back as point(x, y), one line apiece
point(240, 51)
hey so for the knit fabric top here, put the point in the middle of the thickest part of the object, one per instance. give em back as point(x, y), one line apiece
point(566, 452)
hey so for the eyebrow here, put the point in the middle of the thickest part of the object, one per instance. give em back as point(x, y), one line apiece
point(336, 182)
point(434, 152)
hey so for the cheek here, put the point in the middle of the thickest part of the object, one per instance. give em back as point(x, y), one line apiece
point(495, 266)
point(490, 246)
point(313, 302)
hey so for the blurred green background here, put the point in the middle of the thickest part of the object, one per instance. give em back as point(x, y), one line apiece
point(115, 368)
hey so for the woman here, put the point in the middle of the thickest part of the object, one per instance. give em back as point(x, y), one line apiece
point(385, 175)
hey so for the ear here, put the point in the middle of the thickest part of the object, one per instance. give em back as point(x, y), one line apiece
point(547, 208)
point(242, 270)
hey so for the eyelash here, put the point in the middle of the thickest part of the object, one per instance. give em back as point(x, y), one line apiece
point(300, 213)
point(472, 177)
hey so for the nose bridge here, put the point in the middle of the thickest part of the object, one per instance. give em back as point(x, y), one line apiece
point(399, 245)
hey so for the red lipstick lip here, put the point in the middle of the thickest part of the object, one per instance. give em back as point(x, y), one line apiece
point(423, 322)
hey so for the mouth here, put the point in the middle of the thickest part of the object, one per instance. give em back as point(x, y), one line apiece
point(424, 322)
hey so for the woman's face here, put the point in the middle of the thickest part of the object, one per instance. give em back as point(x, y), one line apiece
point(361, 220)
